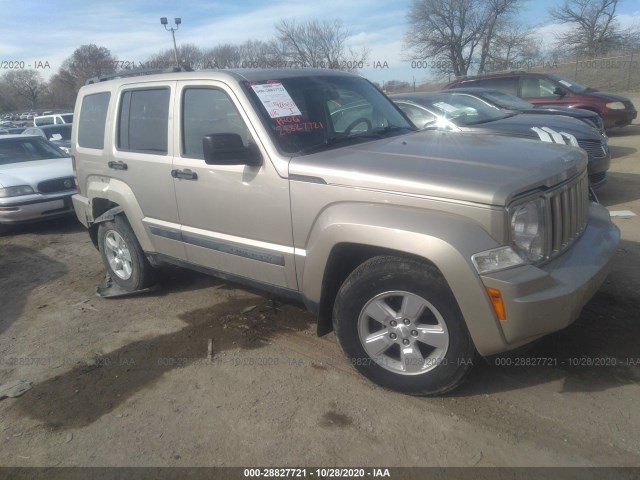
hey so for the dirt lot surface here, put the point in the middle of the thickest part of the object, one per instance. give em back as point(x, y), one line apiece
point(127, 381)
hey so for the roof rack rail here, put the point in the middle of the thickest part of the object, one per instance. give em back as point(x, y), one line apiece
point(136, 73)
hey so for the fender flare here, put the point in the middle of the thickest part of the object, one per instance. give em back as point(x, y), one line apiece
point(108, 215)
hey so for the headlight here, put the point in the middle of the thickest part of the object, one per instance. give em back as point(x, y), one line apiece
point(615, 105)
point(528, 229)
point(16, 191)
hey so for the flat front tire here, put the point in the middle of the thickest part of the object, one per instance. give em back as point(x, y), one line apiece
point(399, 325)
point(123, 257)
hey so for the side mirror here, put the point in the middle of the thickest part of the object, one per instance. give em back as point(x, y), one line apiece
point(228, 149)
point(559, 92)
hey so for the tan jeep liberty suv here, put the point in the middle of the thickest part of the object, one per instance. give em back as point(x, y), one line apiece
point(419, 249)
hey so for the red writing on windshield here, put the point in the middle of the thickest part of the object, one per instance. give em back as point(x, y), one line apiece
point(286, 129)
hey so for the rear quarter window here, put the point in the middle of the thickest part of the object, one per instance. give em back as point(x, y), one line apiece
point(504, 84)
point(93, 118)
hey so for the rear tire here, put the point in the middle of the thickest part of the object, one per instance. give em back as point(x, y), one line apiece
point(400, 326)
point(123, 257)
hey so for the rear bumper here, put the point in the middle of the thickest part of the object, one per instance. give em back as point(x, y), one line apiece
point(31, 208)
point(541, 300)
point(83, 209)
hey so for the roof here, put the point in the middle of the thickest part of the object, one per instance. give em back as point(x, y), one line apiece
point(18, 135)
point(229, 75)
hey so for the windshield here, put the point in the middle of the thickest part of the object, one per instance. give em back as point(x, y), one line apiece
point(504, 100)
point(67, 117)
point(305, 114)
point(570, 84)
point(16, 150)
point(463, 110)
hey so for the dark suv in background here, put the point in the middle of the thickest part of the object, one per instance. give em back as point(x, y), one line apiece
point(552, 89)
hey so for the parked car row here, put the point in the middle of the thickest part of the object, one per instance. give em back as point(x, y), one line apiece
point(474, 111)
point(37, 119)
point(549, 89)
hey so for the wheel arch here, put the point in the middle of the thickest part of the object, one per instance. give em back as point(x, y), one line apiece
point(116, 198)
point(442, 240)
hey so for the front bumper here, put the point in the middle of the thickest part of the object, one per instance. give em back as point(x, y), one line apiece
point(597, 168)
point(541, 300)
point(30, 208)
point(619, 118)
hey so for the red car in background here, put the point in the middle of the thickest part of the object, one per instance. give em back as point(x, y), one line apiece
point(549, 89)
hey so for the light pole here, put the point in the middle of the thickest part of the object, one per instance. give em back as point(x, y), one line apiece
point(178, 21)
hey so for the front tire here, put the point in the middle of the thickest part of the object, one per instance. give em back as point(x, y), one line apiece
point(123, 257)
point(400, 326)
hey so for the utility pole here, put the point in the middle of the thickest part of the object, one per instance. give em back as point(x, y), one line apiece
point(178, 21)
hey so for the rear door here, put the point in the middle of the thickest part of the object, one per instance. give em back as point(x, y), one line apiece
point(142, 157)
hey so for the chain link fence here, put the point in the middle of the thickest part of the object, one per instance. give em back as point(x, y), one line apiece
point(615, 72)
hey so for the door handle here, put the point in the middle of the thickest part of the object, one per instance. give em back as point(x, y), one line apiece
point(118, 165)
point(184, 174)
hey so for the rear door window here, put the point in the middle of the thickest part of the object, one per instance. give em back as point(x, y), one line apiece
point(143, 121)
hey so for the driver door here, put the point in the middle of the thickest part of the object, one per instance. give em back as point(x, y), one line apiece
point(234, 218)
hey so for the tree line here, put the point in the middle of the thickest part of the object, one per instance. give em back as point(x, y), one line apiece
point(479, 36)
point(452, 37)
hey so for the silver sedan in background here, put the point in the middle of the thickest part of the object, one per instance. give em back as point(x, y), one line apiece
point(36, 180)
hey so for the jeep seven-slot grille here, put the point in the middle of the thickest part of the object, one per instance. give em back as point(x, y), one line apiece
point(56, 185)
point(569, 212)
point(594, 148)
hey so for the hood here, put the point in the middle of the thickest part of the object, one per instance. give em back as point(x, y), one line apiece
point(607, 96)
point(521, 126)
point(34, 172)
point(485, 169)
point(553, 110)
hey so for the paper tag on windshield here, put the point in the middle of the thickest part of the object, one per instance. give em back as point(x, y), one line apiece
point(276, 100)
point(56, 136)
point(565, 83)
point(445, 107)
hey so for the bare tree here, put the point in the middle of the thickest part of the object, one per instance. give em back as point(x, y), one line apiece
point(456, 34)
point(258, 53)
point(594, 29)
point(88, 61)
point(496, 11)
point(62, 90)
point(189, 55)
point(513, 48)
point(222, 56)
point(27, 84)
point(319, 44)
point(250, 54)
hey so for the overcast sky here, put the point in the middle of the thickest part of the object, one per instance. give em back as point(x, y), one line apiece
point(49, 31)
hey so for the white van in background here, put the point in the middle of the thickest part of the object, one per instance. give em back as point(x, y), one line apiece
point(53, 119)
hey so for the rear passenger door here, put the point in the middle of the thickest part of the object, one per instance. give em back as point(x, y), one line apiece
point(142, 158)
point(235, 218)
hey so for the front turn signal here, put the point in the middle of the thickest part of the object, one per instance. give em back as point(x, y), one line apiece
point(498, 304)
